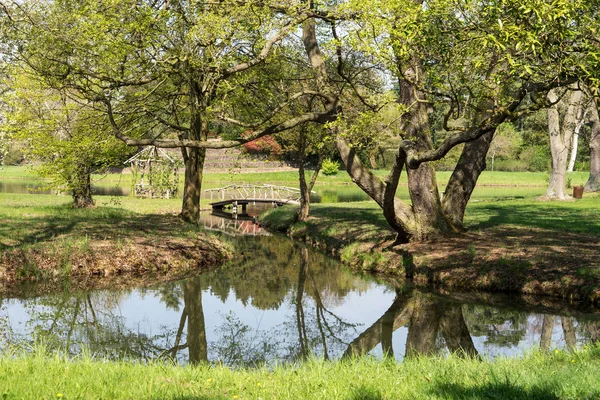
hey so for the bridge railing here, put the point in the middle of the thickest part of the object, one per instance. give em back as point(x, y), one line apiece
point(254, 192)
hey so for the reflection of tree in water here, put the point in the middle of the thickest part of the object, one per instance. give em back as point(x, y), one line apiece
point(312, 330)
point(274, 273)
point(427, 318)
point(268, 270)
point(71, 322)
point(500, 327)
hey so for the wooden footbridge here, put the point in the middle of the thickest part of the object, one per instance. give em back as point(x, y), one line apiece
point(235, 195)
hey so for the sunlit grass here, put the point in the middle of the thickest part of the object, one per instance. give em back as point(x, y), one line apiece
point(559, 375)
point(291, 177)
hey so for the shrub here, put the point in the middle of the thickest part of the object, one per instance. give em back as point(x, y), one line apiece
point(537, 157)
point(266, 146)
point(330, 167)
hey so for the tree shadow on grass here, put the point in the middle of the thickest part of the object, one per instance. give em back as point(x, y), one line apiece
point(98, 223)
point(554, 217)
point(494, 390)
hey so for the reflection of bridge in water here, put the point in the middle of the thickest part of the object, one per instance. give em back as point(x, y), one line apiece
point(242, 195)
point(233, 223)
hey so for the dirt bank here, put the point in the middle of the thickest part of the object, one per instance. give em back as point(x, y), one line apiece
point(516, 259)
point(101, 264)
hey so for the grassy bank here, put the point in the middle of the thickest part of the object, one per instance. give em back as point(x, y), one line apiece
point(557, 375)
point(526, 246)
point(43, 239)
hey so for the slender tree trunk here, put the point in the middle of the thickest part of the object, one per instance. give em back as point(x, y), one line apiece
point(306, 187)
point(593, 182)
point(560, 141)
point(398, 314)
point(300, 319)
point(82, 188)
point(581, 114)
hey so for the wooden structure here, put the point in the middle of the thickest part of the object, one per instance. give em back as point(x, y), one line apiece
point(241, 195)
point(155, 173)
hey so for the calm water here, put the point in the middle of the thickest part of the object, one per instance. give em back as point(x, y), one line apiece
point(279, 300)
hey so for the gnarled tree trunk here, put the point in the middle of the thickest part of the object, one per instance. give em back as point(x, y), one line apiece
point(593, 182)
point(429, 219)
point(464, 178)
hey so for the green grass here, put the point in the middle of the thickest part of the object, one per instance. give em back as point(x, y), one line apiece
point(557, 375)
point(581, 216)
point(291, 177)
point(29, 220)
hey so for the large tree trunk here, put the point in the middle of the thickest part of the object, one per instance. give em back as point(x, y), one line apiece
point(429, 218)
point(560, 141)
point(82, 188)
point(423, 327)
point(464, 178)
point(593, 182)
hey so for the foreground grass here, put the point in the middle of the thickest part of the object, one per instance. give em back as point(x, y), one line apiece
point(557, 375)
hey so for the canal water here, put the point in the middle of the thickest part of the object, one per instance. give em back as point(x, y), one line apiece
point(280, 301)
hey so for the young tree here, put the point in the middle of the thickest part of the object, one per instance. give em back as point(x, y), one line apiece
point(70, 141)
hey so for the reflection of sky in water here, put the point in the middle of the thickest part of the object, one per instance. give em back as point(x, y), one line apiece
point(144, 313)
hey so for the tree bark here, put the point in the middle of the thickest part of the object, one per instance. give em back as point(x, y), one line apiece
point(560, 141)
point(192, 189)
point(423, 327)
point(194, 157)
point(429, 219)
point(464, 178)
point(593, 182)
point(306, 187)
point(575, 142)
point(569, 332)
point(82, 188)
